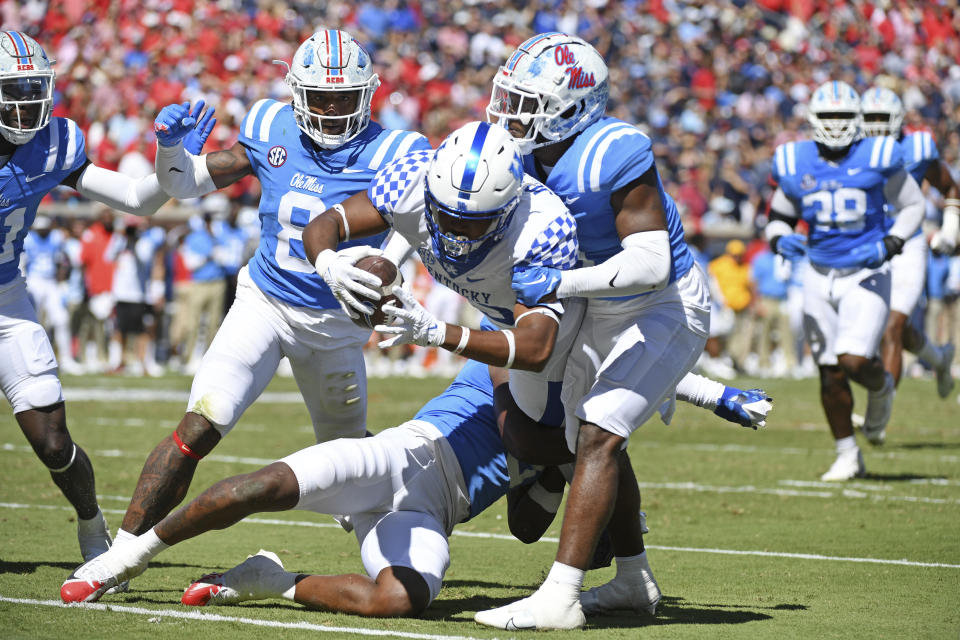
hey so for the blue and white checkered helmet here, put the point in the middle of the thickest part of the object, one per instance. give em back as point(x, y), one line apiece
point(834, 114)
point(473, 187)
point(554, 86)
point(882, 112)
point(26, 87)
point(331, 60)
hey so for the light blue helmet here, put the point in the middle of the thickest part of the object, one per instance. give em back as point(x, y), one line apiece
point(331, 60)
point(554, 85)
point(882, 112)
point(473, 187)
point(26, 87)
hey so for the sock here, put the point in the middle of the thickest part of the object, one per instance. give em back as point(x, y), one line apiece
point(699, 391)
point(123, 537)
point(846, 444)
point(281, 584)
point(633, 566)
point(566, 575)
point(93, 526)
point(289, 593)
point(929, 352)
point(149, 546)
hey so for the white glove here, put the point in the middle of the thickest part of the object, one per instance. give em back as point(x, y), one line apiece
point(942, 243)
point(337, 270)
point(417, 325)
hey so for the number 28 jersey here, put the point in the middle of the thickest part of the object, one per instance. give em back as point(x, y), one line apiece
point(299, 182)
point(842, 202)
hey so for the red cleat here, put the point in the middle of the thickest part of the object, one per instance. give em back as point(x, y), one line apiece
point(207, 588)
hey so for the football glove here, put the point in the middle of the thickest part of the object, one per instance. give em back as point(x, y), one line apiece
point(747, 408)
point(416, 326)
point(941, 244)
point(791, 247)
point(346, 281)
point(533, 283)
point(173, 124)
point(873, 254)
point(193, 142)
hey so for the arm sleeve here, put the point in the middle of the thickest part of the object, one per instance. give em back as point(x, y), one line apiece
point(783, 205)
point(140, 197)
point(903, 193)
point(182, 174)
point(643, 265)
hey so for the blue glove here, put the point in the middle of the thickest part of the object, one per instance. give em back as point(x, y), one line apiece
point(793, 246)
point(173, 123)
point(747, 408)
point(197, 137)
point(531, 283)
point(870, 255)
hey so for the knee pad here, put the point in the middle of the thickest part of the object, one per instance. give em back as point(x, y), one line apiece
point(216, 408)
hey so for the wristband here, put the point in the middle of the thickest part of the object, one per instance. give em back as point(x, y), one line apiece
point(511, 347)
point(464, 337)
point(185, 449)
point(343, 216)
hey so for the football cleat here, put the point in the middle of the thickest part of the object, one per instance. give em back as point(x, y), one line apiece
point(879, 407)
point(248, 580)
point(847, 466)
point(539, 611)
point(93, 536)
point(91, 580)
point(621, 594)
point(944, 375)
point(747, 408)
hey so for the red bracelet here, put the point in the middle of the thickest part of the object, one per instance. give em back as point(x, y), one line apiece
point(184, 449)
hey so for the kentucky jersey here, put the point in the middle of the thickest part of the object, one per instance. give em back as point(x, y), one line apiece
point(605, 157)
point(541, 232)
point(842, 202)
point(299, 182)
point(33, 170)
point(464, 414)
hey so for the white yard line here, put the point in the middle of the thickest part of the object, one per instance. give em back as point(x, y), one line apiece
point(112, 396)
point(118, 453)
point(502, 536)
point(214, 617)
point(841, 491)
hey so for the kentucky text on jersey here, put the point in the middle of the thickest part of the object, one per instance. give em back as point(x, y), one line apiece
point(842, 202)
point(293, 176)
point(33, 170)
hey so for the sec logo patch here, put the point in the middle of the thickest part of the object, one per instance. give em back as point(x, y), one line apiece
point(277, 156)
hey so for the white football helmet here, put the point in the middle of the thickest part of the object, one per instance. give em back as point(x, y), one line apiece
point(331, 60)
point(882, 112)
point(550, 88)
point(472, 189)
point(26, 87)
point(834, 114)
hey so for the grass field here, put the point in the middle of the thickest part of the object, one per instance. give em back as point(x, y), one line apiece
point(745, 541)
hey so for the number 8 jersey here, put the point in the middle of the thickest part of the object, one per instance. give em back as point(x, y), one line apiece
point(298, 182)
point(842, 202)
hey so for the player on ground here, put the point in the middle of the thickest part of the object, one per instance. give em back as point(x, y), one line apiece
point(307, 156)
point(646, 322)
point(404, 490)
point(839, 184)
point(37, 154)
point(883, 116)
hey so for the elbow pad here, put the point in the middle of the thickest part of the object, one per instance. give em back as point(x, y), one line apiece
point(181, 174)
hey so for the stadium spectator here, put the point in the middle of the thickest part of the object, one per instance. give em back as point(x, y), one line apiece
point(98, 278)
point(732, 274)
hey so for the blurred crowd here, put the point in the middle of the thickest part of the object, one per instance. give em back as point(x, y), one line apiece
point(717, 84)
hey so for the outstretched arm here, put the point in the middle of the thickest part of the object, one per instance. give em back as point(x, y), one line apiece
point(945, 240)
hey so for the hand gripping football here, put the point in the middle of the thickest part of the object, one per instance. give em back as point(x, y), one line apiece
point(389, 276)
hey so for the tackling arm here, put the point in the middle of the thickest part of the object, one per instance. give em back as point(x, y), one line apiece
point(355, 217)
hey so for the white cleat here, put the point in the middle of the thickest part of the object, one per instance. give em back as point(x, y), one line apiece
point(246, 581)
point(542, 610)
point(93, 536)
point(879, 407)
point(847, 466)
point(944, 375)
point(93, 579)
point(622, 595)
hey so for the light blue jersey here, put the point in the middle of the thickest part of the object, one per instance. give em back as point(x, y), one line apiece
point(605, 157)
point(43, 254)
point(464, 415)
point(33, 170)
point(919, 152)
point(842, 202)
point(299, 182)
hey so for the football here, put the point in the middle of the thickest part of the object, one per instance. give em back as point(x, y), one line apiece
point(389, 277)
